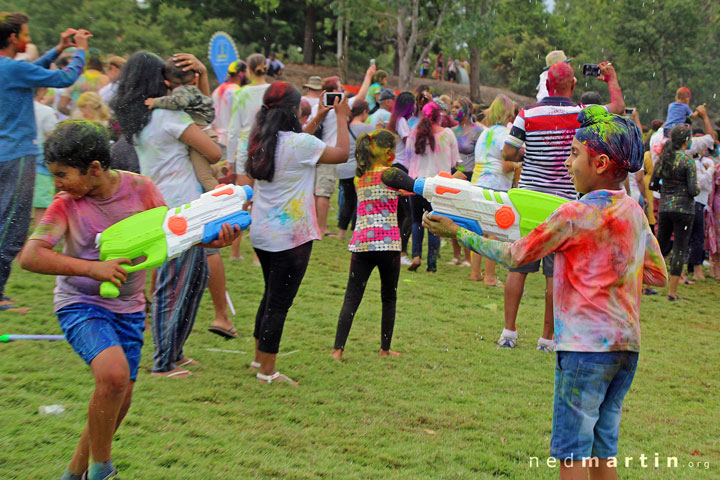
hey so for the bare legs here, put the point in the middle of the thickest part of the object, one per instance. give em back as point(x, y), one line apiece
point(578, 471)
point(322, 206)
point(108, 406)
point(217, 287)
point(513, 293)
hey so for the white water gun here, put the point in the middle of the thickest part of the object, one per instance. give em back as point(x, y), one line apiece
point(163, 233)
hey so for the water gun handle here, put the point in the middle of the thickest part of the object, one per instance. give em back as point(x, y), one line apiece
point(238, 219)
point(466, 223)
point(155, 254)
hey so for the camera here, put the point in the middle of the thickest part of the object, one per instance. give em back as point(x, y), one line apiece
point(329, 98)
point(591, 70)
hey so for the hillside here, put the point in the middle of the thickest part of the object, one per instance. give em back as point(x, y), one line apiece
point(298, 74)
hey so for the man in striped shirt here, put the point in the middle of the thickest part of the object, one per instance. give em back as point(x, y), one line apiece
point(547, 130)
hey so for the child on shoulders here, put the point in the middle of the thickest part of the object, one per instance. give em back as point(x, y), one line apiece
point(605, 252)
point(679, 111)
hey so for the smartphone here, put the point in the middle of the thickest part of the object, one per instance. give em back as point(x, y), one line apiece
point(591, 70)
point(329, 98)
point(372, 61)
point(629, 111)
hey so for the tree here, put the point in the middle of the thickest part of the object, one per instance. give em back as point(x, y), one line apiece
point(414, 26)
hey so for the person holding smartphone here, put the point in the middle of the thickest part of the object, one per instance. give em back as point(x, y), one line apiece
point(323, 123)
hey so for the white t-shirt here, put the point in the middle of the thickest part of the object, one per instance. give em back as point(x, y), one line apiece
point(165, 159)
point(430, 163)
point(246, 103)
point(46, 119)
point(542, 86)
point(402, 130)
point(380, 115)
point(634, 189)
point(108, 92)
point(313, 101)
point(283, 212)
point(488, 172)
point(347, 169)
point(329, 132)
point(222, 99)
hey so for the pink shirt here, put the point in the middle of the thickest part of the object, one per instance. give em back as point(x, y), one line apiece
point(77, 222)
point(605, 251)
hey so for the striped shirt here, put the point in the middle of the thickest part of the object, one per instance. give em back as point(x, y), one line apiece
point(547, 128)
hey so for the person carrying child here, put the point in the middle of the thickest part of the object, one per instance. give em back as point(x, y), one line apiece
point(375, 241)
point(187, 96)
point(605, 251)
point(106, 332)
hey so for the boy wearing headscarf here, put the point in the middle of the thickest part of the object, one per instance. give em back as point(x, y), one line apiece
point(605, 252)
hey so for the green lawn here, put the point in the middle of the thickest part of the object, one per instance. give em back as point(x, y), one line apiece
point(453, 406)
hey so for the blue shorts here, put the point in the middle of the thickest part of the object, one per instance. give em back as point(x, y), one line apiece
point(90, 329)
point(589, 392)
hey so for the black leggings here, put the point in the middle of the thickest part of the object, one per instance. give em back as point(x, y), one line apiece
point(361, 266)
point(679, 224)
point(697, 238)
point(283, 272)
point(349, 204)
point(404, 214)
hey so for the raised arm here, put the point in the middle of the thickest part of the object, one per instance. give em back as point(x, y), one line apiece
point(608, 75)
point(188, 61)
point(339, 153)
point(367, 81)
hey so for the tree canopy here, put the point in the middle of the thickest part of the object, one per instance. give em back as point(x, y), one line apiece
point(655, 45)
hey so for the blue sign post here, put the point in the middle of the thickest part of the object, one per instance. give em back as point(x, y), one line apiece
point(221, 52)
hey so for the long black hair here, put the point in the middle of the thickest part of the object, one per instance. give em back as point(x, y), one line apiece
point(277, 114)
point(141, 78)
point(678, 136)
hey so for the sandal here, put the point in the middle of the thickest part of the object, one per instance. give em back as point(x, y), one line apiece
point(11, 308)
point(275, 377)
point(254, 365)
point(187, 361)
point(173, 374)
point(676, 298)
point(497, 283)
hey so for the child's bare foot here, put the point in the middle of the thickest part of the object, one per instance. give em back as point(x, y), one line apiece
point(473, 278)
point(493, 282)
point(177, 372)
point(337, 353)
point(389, 353)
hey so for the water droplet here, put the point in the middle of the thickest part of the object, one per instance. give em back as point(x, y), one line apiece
point(653, 74)
point(638, 49)
point(714, 95)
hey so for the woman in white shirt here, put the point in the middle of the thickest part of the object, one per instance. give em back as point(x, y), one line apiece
point(429, 150)
point(281, 161)
point(491, 171)
point(161, 139)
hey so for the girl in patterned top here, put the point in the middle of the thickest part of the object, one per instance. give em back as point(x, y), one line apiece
point(376, 239)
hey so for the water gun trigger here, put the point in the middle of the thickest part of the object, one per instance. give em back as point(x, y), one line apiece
point(154, 257)
point(466, 223)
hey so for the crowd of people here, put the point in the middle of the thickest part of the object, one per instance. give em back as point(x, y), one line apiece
point(88, 141)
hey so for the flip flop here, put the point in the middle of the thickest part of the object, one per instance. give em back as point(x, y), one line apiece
point(5, 298)
point(223, 332)
point(276, 377)
point(187, 361)
point(496, 284)
point(177, 374)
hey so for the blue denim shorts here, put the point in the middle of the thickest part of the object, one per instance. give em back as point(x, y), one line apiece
point(589, 392)
point(90, 329)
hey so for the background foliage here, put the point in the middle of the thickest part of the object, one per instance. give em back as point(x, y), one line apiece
point(655, 45)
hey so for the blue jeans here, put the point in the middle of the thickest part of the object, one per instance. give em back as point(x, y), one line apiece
point(17, 183)
point(589, 391)
point(419, 205)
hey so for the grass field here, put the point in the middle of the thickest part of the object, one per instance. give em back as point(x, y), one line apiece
point(453, 406)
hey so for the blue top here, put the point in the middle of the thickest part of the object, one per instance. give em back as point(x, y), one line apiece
point(676, 115)
point(18, 132)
